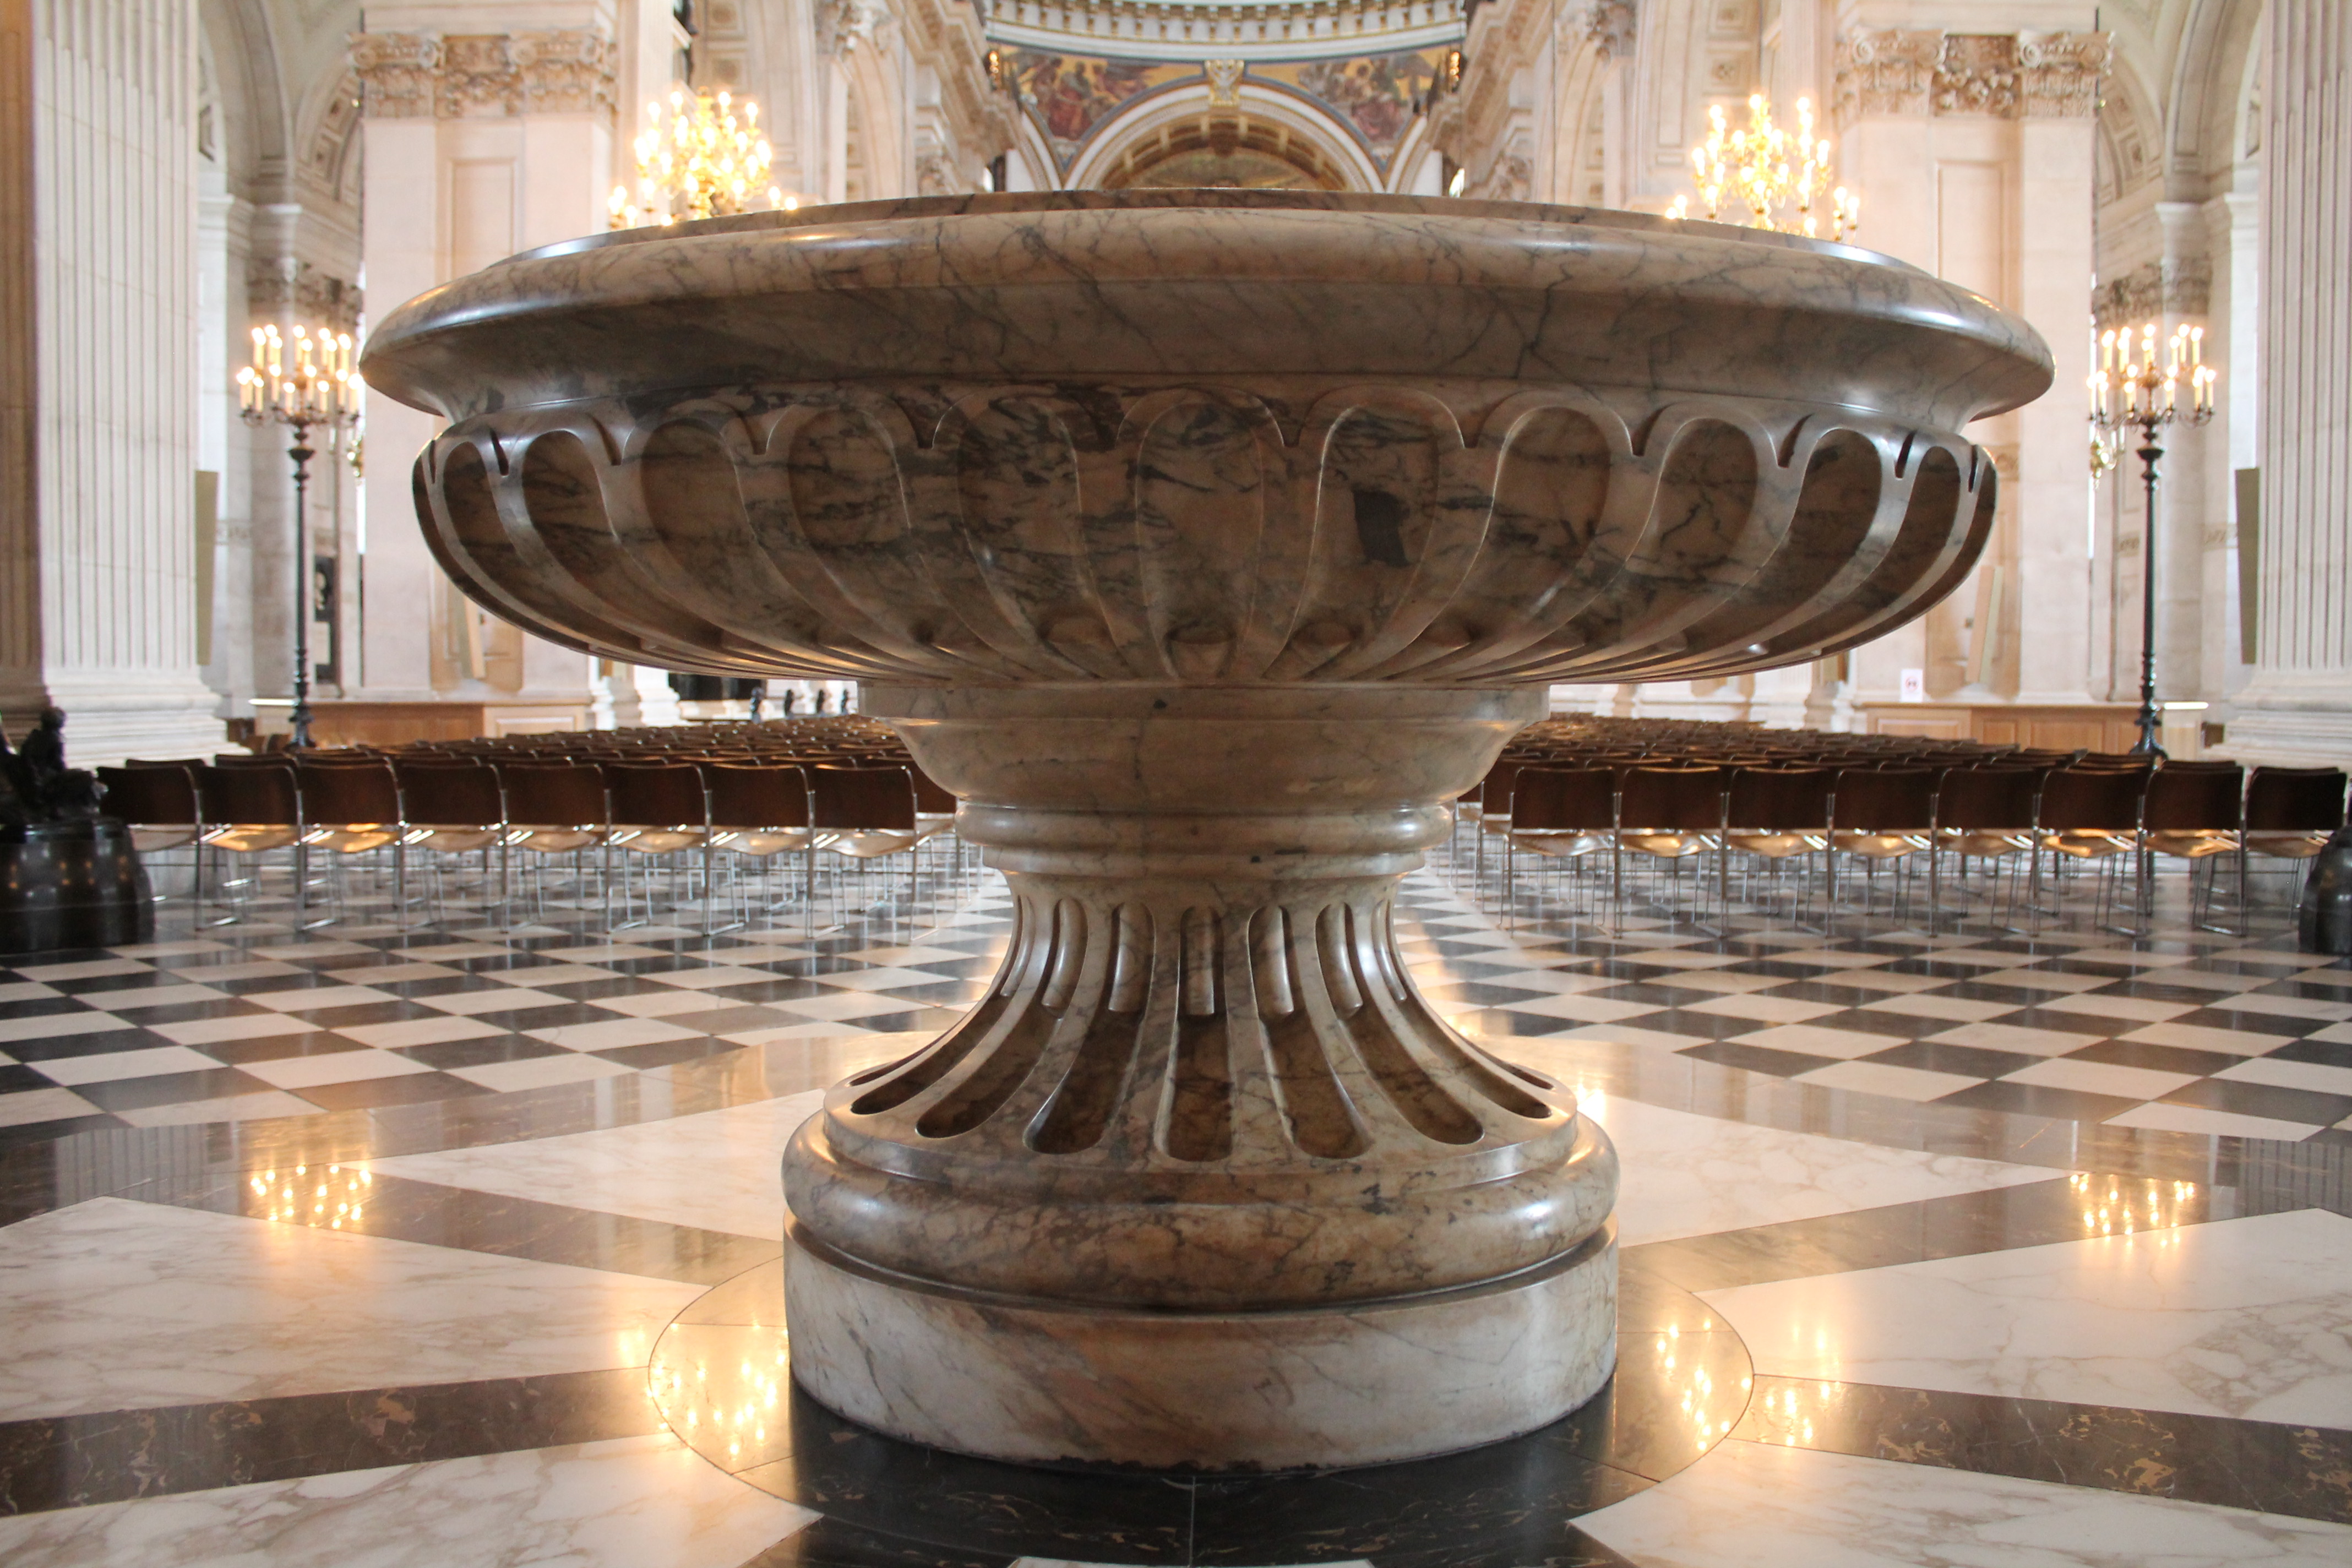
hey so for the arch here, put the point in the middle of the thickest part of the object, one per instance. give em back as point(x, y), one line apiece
point(250, 92)
point(1266, 118)
point(2210, 74)
point(2130, 129)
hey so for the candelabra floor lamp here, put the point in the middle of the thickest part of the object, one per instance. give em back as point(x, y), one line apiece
point(2132, 395)
point(316, 391)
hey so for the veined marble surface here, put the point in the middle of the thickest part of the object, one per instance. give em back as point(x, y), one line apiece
point(1751, 1505)
point(1246, 437)
point(714, 1169)
point(2250, 1318)
point(630, 1502)
point(1684, 1175)
point(115, 1305)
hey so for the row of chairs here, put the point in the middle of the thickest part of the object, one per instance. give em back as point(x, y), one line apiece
point(350, 803)
point(1997, 812)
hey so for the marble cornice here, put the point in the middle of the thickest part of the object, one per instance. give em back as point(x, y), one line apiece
point(2018, 76)
point(418, 76)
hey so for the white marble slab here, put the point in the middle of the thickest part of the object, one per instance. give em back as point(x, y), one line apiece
point(2251, 1318)
point(1684, 1175)
point(1749, 1505)
point(116, 1305)
point(627, 1503)
point(719, 1170)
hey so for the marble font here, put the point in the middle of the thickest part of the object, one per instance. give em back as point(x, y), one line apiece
point(1204, 543)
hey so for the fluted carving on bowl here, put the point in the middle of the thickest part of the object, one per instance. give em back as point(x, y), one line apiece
point(1445, 532)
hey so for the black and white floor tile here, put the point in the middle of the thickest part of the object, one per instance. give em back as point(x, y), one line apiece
point(360, 1246)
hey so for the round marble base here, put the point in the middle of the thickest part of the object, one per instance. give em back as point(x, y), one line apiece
point(1358, 1383)
point(722, 1377)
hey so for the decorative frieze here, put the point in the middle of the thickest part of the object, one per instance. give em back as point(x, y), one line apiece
point(298, 289)
point(470, 76)
point(2180, 286)
point(1898, 71)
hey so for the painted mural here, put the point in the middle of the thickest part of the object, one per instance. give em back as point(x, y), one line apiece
point(1069, 95)
point(1376, 95)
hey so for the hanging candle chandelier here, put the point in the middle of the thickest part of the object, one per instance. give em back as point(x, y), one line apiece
point(699, 156)
point(1762, 176)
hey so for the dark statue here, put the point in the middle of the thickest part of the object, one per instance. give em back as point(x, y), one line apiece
point(35, 786)
point(69, 878)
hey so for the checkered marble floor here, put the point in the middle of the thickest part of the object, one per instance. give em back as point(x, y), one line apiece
point(2180, 1031)
point(2187, 1033)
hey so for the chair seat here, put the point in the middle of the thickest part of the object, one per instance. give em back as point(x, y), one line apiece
point(1777, 846)
point(2089, 844)
point(251, 838)
point(1881, 846)
point(2287, 846)
point(451, 840)
point(352, 838)
point(659, 840)
point(868, 844)
point(1493, 822)
point(553, 839)
point(147, 840)
point(763, 840)
point(1565, 843)
point(1985, 840)
point(1665, 845)
point(2193, 844)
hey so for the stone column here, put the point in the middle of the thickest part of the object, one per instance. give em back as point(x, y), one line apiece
point(478, 144)
point(98, 375)
point(2298, 707)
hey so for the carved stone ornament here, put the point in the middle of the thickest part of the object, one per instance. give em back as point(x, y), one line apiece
point(397, 72)
point(1205, 545)
point(1610, 26)
point(934, 174)
point(319, 297)
point(1977, 74)
point(2180, 286)
point(2059, 73)
point(1225, 82)
point(841, 24)
point(487, 75)
point(1892, 71)
point(1898, 71)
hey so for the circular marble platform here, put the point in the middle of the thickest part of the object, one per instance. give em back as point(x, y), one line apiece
point(722, 1377)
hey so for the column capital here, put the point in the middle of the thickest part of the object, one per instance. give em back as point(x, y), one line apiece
point(470, 76)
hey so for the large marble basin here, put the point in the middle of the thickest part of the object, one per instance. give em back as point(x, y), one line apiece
point(1205, 545)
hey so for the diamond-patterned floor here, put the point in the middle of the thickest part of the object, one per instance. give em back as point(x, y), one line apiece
point(2182, 1032)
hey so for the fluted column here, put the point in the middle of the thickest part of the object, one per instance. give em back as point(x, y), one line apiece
point(98, 383)
point(2299, 705)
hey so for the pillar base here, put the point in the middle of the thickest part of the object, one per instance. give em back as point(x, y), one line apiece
point(1359, 1382)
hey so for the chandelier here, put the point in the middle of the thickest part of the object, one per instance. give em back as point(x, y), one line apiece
point(313, 384)
point(2132, 393)
point(1777, 178)
point(703, 158)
